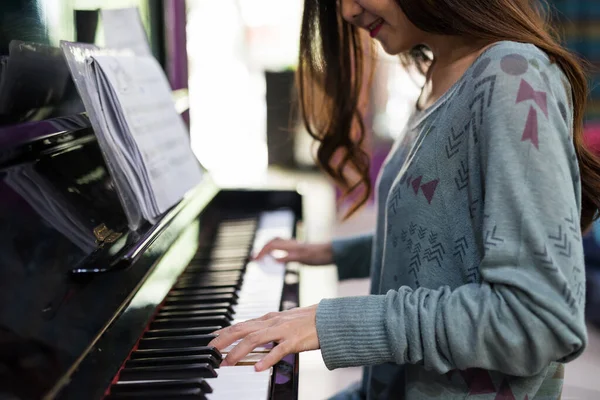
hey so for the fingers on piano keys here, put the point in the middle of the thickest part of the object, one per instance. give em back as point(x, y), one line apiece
point(217, 289)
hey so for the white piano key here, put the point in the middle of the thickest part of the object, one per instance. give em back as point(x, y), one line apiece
point(259, 294)
point(259, 349)
point(252, 358)
point(241, 382)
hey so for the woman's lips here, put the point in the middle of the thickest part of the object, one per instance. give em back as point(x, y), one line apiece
point(375, 27)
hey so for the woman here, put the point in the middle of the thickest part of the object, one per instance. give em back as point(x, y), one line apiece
point(476, 263)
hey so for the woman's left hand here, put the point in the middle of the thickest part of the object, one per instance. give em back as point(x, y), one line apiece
point(294, 331)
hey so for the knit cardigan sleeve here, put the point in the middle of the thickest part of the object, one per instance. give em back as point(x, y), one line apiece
point(352, 256)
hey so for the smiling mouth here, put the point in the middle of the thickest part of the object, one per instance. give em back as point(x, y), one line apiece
point(375, 27)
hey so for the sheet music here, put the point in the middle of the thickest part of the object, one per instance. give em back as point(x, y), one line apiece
point(143, 139)
point(123, 150)
point(78, 56)
point(141, 92)
point(123, 29)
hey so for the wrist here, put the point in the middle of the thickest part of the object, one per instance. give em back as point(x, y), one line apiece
point(327, 253)
point(322, 254)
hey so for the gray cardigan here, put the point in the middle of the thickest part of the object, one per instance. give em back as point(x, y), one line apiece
point(476, 263)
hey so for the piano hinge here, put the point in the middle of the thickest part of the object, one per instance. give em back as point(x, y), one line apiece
point(104, 234)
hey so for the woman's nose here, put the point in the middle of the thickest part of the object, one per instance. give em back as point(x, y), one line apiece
point(350, 10)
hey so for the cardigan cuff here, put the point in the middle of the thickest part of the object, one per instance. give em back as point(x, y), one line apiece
point(352, 331)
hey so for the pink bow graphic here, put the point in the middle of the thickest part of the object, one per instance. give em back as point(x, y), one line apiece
point(526, 92)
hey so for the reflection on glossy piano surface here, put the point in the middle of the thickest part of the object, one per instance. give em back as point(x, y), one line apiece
point(90, 310)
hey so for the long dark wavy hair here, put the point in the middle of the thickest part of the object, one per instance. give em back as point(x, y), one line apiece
point(332, 63)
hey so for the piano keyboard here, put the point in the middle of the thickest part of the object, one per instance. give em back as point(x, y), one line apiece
point(217, 289)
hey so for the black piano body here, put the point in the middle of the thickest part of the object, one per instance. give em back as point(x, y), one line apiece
point(70, 269)
point(78, 289)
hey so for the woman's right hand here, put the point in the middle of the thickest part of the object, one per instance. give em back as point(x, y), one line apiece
point(284, 250)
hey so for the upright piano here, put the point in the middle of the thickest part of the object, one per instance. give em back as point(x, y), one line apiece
point(90, 309)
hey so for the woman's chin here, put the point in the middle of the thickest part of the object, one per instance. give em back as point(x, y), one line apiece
point(393, 48)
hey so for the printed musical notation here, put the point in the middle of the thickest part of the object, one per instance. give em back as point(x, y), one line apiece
point(148, 115)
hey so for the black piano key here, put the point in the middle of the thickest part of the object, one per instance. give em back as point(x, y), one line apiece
point(173, 322)
point(208, 283)
point(197, 313)
point(214, 274)
point(190, 351)
point(211, 298)
point(201, 285)
point(233, 263)
point(192, 307)
point(203, 262)
point(158, 361)
point(200, 292)
point(207, 248)
point(175, 341)
point(168, 372)
point(128, 387)
point(206, 280)
point(222, 256)
point(173, 394)
point(181, 331)
point(228, 294)
point(188, 283)
point(241, 267)
point(240, 244)
point(227, 276)
point(248, 218)
point(233, 275)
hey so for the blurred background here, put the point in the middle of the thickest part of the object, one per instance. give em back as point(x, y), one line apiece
point(235, 60)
